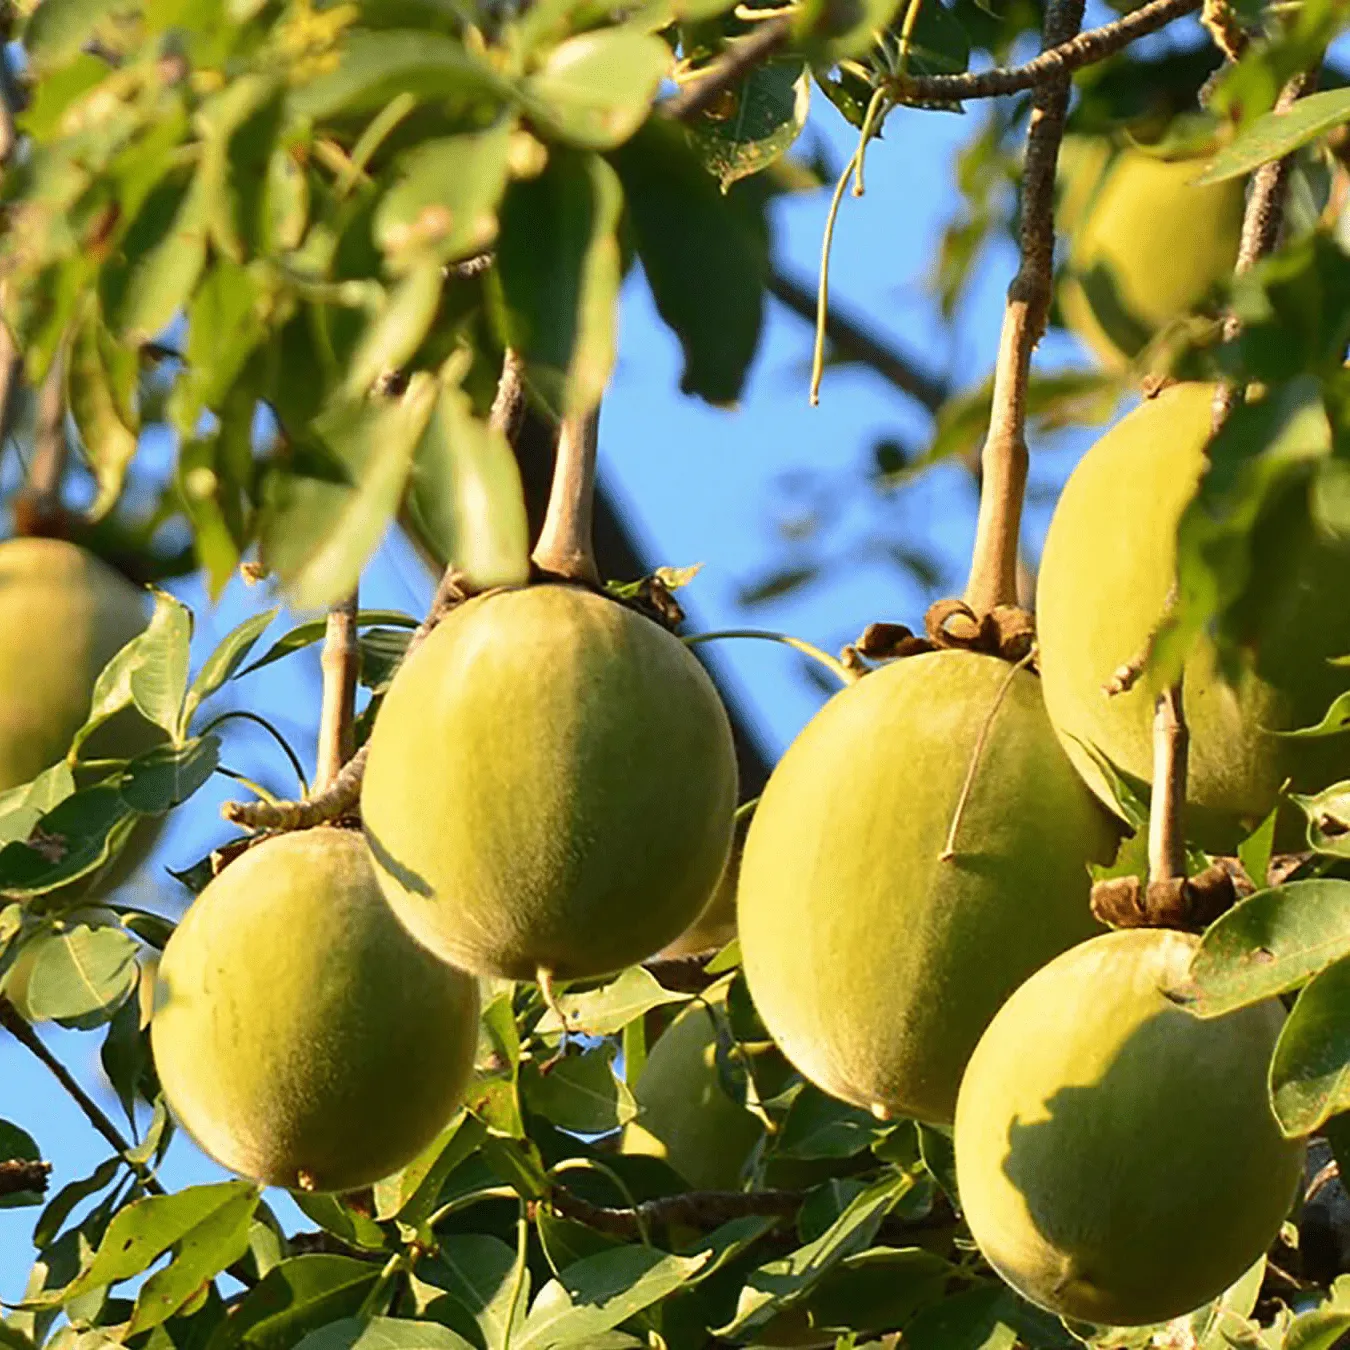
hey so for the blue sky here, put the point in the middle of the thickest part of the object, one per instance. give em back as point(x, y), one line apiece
point(697, 485)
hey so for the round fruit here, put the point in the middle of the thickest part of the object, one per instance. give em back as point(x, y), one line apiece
point(716, 926)
point(1108, 564)
point(550, 786)
point(64, 615)
point(1148, 247)
point(301, 1036)
point(1117, 1158)
point(686, 1118)
point(874, 961)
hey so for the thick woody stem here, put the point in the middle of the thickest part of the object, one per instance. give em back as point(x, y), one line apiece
point(564, 548)
point(340, 663)
point(1166, 821)
point(1003, 461)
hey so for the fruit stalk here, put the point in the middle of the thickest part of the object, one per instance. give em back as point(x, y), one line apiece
point(564, 548)
point(340, 664)
point(993, 571)
point(1166, 820)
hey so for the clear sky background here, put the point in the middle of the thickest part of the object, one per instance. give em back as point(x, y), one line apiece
point(696, 485)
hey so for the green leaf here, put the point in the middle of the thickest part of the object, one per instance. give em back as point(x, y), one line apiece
point(1334, 721)
point(970, 1320)
point(225, 327)
point(1255, 851)
point(376, 66)
point(603, 1011)
point(312, 630)
point(1310, 1071)
point(333, 1214)
point(75, 838)
point(219, 1239)
point(818, 1126)
point(81, 970)
point(395, 331)
point(59, 28)
point(465, 501)
point(61, 1205)
point(600, 1292)
point(231, 653)
point(580, 1092)
point(1268, 944)
point(444, 204)
point(384, 1333)
point(318, 532)
point(145, 1229)
point(704, 256)
point(296, 1297)
point(1328, 814)
point(413, 1193)
point(1320, 1328)
point(168, 775)
point(102, 412)
point(1275, 135)
point(557, 278)
point(479, 1272)
point(126, 1059)
point(22, 807)
point(594, 90)
point(756, 123)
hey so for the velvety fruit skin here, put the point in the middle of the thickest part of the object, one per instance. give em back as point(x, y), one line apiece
point(1109, 559)
point(874, 963)
point(301, 1036)
point(1148, 247)
point(686, 1118)
point(716, 926)
point(1117, 1158)
point(550, 787)
point(64, 614)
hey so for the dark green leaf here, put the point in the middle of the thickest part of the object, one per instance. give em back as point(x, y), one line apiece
point(60, 1206)
point(1277, 134)
point(970, 1320)
point(1310, 1071)
point(1335, 720)
point(102, 414)
point(331, 1213)
point(296, 1297)
point(603, 1011)
point(1267, 944)
point(818, 1126)
point(412, 1193)
point(22, 807)
point(80, 971)
point(1320, 1328)
point(1254, 852)
point(125, 1056)
point(756, 123)
point(479, 1272)
point(166, 776)
point(221, 665)
point(395, 331)
point(312, 631)
point(580, 1092)
point(1328, 814)
point(75, 838)
point(384, 1333)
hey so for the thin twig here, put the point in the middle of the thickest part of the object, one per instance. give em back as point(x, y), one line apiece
point(855, 343)
point(1003, 460)
point(38, 507)
point(340, 663)
point(1061, 59)
point(732, 66)
point(692, 1209)
point(565, 548)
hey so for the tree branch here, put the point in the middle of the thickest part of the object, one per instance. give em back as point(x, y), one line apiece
point(19, 1174)
point(1060, 59)
point(37, 509)
point(732, 66)
point(853, 341)
point(340, 663)
point(1003, 461)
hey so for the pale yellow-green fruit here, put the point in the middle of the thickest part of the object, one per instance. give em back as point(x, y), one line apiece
point(302, 1038)
point(1118, 1159)
point(716, 926)
point(1146, 246)
point(64, 614)
point(874, 960)
point(685, 1116)
point(550, 787)
point(1109, 560)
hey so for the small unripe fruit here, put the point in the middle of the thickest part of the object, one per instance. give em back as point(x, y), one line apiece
point(1118, 1159)
point(874, 961)
point(1146, 246)
point(302, 1038)
point(1108, 564)
point(64, 615)
point(686, 1116)
point(550, 787)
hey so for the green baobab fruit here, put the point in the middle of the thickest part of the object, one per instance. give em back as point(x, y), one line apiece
point(550, 786)
point(685, 1116)
point(1146, 246)
point(716, 926)
point(874, 960)
point(1118, 1159)
point(1108, 564)
point(64, 615)
point(301, 1036)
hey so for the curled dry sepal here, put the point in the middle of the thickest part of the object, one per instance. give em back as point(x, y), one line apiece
point(1190, 903)
point(1007, 631)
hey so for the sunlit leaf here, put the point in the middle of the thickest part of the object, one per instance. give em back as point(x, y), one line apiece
point(1310, 1071)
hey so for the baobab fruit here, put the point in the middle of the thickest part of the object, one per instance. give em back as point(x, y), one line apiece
point(685, 1115)
point(1147, 246)
point(550, 787)
point(1108, 564)
point(1118, 1159)
point(879, 932)
point(64, 615)
point(716, 925)
point(302, 1038)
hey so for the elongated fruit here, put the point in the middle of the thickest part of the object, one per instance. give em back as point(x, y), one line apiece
point(64, 615)
point(685, 1115)
point(301, 1036)
point(550, 786)
point(1117, 1158)
point(1147, 247)
point(1108, 564)
point(875, 961)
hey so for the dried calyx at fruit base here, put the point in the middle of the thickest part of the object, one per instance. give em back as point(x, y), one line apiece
point(551, 779)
